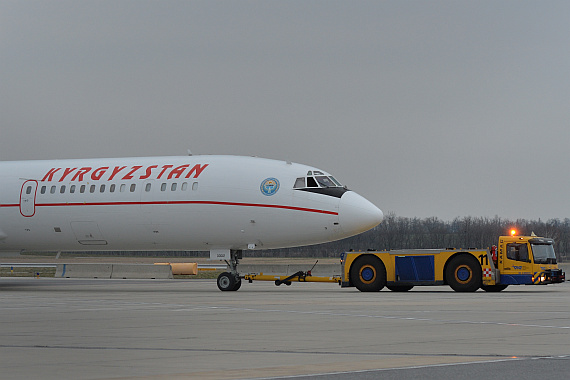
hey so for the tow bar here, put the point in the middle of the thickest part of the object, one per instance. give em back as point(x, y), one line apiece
point(299, 276)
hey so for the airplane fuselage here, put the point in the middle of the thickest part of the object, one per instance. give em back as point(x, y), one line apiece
point(174, 203)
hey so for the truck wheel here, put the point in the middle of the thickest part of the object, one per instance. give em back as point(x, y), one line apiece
point(227, 282)
point(368, 274)
point(494, 288)
point(399, 288)
point(463, 273)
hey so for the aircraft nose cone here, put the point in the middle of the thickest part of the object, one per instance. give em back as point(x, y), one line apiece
point(357, 214)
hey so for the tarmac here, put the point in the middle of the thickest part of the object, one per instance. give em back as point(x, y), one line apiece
point(187, 329)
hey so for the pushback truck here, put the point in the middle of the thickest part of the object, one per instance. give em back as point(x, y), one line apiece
point(516, 260)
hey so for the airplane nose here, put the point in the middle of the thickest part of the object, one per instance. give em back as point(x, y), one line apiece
point(356, 214)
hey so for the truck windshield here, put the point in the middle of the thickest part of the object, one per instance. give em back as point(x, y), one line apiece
point(543, 253)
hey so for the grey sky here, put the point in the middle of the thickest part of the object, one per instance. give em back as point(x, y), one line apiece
point(440, 108)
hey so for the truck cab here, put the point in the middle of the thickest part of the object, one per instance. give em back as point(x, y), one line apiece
point(527, 260)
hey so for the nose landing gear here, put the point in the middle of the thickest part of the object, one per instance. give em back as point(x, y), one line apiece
point(231, 281)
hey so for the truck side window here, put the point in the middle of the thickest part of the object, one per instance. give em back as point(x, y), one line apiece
point(518, 252)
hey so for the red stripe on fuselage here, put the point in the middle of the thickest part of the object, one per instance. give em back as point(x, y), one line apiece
point(218, 203)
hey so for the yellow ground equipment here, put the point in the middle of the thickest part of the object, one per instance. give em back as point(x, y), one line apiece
point(517, 260)
point(287, 280)
point(299, 276)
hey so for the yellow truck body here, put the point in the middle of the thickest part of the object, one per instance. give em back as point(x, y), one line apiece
point(516, 260)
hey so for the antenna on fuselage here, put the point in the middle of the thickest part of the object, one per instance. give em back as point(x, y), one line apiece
point(189, 152)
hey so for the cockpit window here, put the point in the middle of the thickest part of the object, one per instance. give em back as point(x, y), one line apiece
point(311, 182)
point(316, 179)
point(335, 181)
point(325, 181)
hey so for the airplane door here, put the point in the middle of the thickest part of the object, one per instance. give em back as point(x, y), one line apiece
point(28, 198)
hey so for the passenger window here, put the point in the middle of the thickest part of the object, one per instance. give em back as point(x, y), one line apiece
point(518, 252)
point(82, 189)
point(194, 186)
point(122, 188)
point(52, 190)
point(147, 187)
point(311, 182)
point(92, 188)
point(72, 189)
point(133, 187)
point(62, 189)
point(29, 190)
point(43, 190)
point(163, 187)
point(102, 189)
point(112, 188)
point(184, 186)
point(299, 183)
point(173, 186)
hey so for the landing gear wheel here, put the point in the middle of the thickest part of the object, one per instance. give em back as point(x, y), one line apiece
point(237, 284)
point(463, 273)
point(494, 288)
point(228, 282)
point(399, 288)
point(368, 274)
point(231, 281)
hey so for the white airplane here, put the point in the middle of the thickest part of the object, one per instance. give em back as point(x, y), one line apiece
point(221, 204)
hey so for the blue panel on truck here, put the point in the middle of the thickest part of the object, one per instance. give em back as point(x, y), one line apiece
point(414, 268)
point(515, 279)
